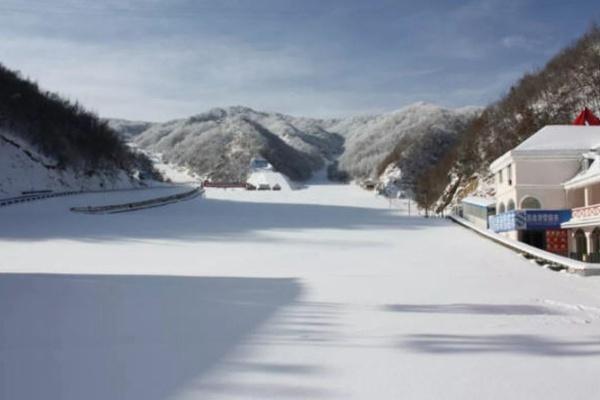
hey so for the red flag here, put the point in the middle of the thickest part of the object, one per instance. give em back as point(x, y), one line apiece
point(586, 117)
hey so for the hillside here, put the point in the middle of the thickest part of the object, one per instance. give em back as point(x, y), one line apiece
point(47, 142)
point(220, 143)
point(373, 143)
point(555, 94)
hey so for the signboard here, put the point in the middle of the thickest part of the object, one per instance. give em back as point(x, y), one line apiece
point(529, 220)
point(503, 222)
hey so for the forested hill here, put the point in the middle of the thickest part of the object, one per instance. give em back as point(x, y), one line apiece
point(36, 125)
point(219, 144)
point(555, 94)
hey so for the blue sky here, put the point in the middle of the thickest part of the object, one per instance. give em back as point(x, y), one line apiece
point(158, 60)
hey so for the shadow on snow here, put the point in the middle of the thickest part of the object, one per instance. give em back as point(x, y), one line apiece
point(534, 345)
point(127, 337)
point(472, 308)
point(204, 219)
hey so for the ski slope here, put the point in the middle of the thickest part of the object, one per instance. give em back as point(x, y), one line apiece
point(326, 292)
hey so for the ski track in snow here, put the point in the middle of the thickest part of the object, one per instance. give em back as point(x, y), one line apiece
point(323, 292)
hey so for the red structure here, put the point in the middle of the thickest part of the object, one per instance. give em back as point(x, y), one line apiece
point(557, 241)
point(586, 117)
point(224, 185)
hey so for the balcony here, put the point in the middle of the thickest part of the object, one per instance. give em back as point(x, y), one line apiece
point(586, 212)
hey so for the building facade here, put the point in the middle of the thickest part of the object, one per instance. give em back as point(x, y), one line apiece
point(548, 191)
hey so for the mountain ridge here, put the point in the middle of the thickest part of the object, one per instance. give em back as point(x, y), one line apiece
point(297, 146)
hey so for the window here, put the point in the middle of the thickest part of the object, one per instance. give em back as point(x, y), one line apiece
point(530, 203)
point(595, 241)
point(510, 205)
point(501, 208)
point(500, 176)
point(586, 163)
point(580, 243)
point(509, 174)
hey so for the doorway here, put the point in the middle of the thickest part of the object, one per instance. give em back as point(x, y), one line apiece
point(534, 238)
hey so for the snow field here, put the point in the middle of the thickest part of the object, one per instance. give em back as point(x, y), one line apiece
point(322, 292)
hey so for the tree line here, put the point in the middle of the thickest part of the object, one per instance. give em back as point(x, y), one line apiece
point(554, 94)
point(63, 130)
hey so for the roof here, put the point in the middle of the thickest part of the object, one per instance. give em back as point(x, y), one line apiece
point(562, 138)
point(479, 201)
point(587, 177)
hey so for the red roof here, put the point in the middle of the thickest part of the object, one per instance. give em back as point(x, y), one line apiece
point(586, 117)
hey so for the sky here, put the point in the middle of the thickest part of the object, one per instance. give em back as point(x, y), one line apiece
point(159, 60)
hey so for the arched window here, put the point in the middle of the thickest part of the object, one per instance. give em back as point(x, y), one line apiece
point(580, 243)
point(595, 248)
point(501, 208)
point(510, 205)
point(530, 203)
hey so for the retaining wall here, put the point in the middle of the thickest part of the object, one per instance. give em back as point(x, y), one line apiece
point(573, 266)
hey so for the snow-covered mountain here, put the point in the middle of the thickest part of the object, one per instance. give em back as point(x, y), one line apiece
point(128, 129)
point(220, 143)
point(23, 168)
point(370, 140)
point(49, 143)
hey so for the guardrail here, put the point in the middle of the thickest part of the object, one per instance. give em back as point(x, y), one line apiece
point(47, 195)
point(139, 205)
point(33, 197)
point(572, 266)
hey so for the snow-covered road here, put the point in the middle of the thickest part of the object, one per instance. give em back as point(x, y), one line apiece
point(324, 292)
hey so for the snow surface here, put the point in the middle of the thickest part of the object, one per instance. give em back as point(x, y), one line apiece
point(270, 178)
point(325, 292)
point(24, 169)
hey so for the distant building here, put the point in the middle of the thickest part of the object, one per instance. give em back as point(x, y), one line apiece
point(368, 184)
point(478, 210)
point(260, 163)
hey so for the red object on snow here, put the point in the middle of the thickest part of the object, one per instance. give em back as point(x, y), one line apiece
point(586, 117)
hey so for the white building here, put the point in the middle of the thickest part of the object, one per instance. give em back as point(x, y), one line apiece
point(555, 170)
point(477, 210)
point(532, 175)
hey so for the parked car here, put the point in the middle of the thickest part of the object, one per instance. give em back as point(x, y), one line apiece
point(276, 187)
point(264, 186)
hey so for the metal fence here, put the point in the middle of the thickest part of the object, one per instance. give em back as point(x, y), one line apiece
point(139, 205)
point(33, 197)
